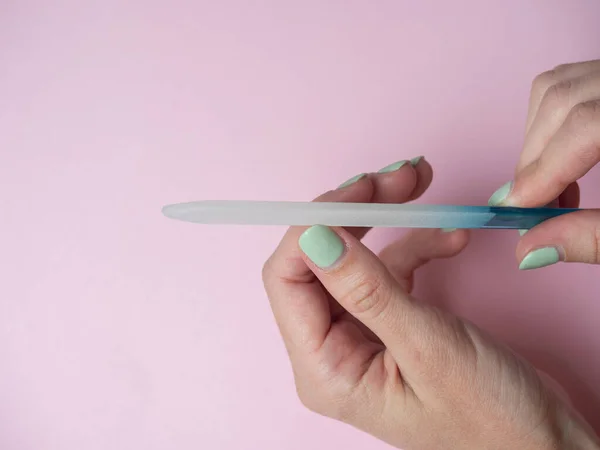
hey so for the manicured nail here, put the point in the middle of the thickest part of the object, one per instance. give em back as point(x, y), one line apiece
point(500, 195)
point(394, 166)
point(415, 161)
point(352, 180)
point(448, 230)
point(541, 257)
point(322, 245)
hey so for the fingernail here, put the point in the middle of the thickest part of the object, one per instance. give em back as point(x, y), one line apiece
point(394, 166)
point(352, 180)
point(500, 195)
point(522, 232)
point(322, 245)
point(415, 161)
point(448, 230)
point(541, 257)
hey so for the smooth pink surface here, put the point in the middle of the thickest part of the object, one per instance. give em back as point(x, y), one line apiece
point(120, 329)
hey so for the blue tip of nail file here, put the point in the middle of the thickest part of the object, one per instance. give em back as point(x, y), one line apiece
point(234, 212)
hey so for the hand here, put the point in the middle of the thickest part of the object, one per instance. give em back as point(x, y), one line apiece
point(562, 143)
point(365, 352)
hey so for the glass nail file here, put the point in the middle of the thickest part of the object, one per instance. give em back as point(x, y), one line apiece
point(234, 212)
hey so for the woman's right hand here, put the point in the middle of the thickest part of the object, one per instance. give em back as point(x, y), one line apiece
point(562, 144)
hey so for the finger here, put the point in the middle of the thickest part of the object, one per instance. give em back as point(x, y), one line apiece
point(417, 248)
point(395, 183)
point(545, 80)
point(555, 387)
point(399, 182)
point(556, 104)
point(299, 304)
point(424, 173)
point(573, 237)
point(360, 282)
point(392, 184)
point(570, 197)
point(572, 152)
point(301, 308)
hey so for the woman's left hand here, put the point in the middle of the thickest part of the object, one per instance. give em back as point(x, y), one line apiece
point(364, 351)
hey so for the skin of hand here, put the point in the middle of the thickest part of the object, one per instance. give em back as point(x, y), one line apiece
point(562, 143)
point(365, 352)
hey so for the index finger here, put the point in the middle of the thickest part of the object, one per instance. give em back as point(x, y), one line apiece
point(571, 153)
point(545, 80)
point(300, 305)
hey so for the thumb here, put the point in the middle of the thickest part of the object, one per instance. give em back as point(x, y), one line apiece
point(573, 237)
point(360, 282)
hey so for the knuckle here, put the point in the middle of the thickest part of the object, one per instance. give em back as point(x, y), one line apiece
point(562, 68)
point(368, 296)
point(543, 81)
point(309, 400)
point(558, 95)
point(267, 269)
point(309, 389)
point(342, 410)
point(322, 401)
point(339, 408)
point(585, 115)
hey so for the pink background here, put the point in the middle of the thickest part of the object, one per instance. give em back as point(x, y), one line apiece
point(120, 329)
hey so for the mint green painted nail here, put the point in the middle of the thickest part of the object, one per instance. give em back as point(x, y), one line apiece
point(415, 161)
point(394, 166)
point(500, 195)
point(352, 180)
point(448, 230)
point(541, 257)
point(321, 245)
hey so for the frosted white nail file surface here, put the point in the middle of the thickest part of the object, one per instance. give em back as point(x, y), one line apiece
point(237, 212)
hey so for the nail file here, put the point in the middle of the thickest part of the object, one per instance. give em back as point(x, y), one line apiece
point(235, 212)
